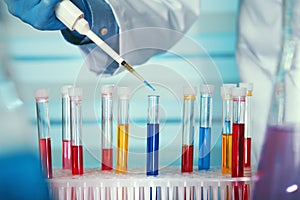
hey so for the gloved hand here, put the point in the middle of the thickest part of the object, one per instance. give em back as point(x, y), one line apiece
point(38, 13)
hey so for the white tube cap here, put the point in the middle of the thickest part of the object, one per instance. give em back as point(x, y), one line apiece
point(226, 91)
point(229, 84)
point(107, 89)
point(207, 88)
point(189, 91)
point(239, 92)
point(41, 94)
point(75, 92)
point(248, 86)
point(124, 92)
point(65, 90)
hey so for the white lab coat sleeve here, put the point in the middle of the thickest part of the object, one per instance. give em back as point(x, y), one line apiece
point(258, 55)
point(146, 28)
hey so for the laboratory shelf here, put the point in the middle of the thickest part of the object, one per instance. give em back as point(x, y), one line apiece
point(169, 184)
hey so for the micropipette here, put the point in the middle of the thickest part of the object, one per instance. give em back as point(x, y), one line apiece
point(73, 18)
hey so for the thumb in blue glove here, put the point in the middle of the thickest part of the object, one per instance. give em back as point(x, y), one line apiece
point(38, 13)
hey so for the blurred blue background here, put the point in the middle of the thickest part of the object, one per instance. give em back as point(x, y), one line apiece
point(42, 59)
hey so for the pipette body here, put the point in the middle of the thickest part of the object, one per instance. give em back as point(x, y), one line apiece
point(73, 18)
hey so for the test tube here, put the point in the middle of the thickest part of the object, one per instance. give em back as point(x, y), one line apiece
point(248, 128)
point(123, 130)
point(188, 123)
point(75, 95)
point(66, 129)
point(153, 135)
point(206, 92)
point(238, 129)
point(226, 129)
point(43, 122)
point(107, 126)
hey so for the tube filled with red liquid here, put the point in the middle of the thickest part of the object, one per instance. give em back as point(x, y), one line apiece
point(66, 129)
point(238, 130)
point(248, 129)
point(43, 122)
point(188, 125)
point(76, 130)
point(107, 126)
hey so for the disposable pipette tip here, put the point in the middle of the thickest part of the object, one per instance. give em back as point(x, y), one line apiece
point(150, 86)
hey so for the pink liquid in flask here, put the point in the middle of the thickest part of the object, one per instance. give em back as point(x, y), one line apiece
point(278, 174)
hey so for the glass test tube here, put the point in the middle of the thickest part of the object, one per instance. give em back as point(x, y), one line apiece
point(188, 123)
point(66, 129)
point(248, 129)
point(205, 126)
point(153, 135)
point(123, 130)
point(43, 122)
point(75, 95)
point(238, 130)
point(107, 126)
point(226, 129)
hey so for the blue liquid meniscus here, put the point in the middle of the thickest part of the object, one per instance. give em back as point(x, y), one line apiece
point(204, 148)
point(152, 149)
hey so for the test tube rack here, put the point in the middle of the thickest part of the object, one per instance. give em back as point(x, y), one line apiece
point(135, 185)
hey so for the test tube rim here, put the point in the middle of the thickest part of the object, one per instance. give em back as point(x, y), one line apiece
point(107, 89)
point(75, 92)
point(124, 92)
point(153, 95)
point(226, 91)
point(41, 94)
point(229, 85)
point(239, 92)
point(65, 90)
point(207, 88)
point(189, 90)
point(248, 86)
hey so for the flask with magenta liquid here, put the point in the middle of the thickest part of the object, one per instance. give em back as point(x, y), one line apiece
point(278, 173)
point(206, 92)
point(76, 129)
point(66, 129)
point(188, 125)
point(43, 122)
point(123, 130)
point(107, 127)
point(152, 135)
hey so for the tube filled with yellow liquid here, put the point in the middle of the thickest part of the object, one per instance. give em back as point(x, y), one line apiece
point(123, 130)
point(227, 107)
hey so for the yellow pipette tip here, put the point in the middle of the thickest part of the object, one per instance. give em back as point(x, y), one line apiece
point(149, 85)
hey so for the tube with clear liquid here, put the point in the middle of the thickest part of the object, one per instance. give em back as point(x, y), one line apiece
point(66, 129)
point(123, 130)
point(206, 92)
point(107, 127)
point(43, 122)
point(248, 128)
point(153, 135)
point(226, 129)
point(76, 130)
point(188, 125)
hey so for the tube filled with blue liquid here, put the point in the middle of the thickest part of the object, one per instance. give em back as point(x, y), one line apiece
point(206, 92)
point(153, 135)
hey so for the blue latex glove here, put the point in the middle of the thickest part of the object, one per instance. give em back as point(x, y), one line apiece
point(38, 13)
point(21, 177)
